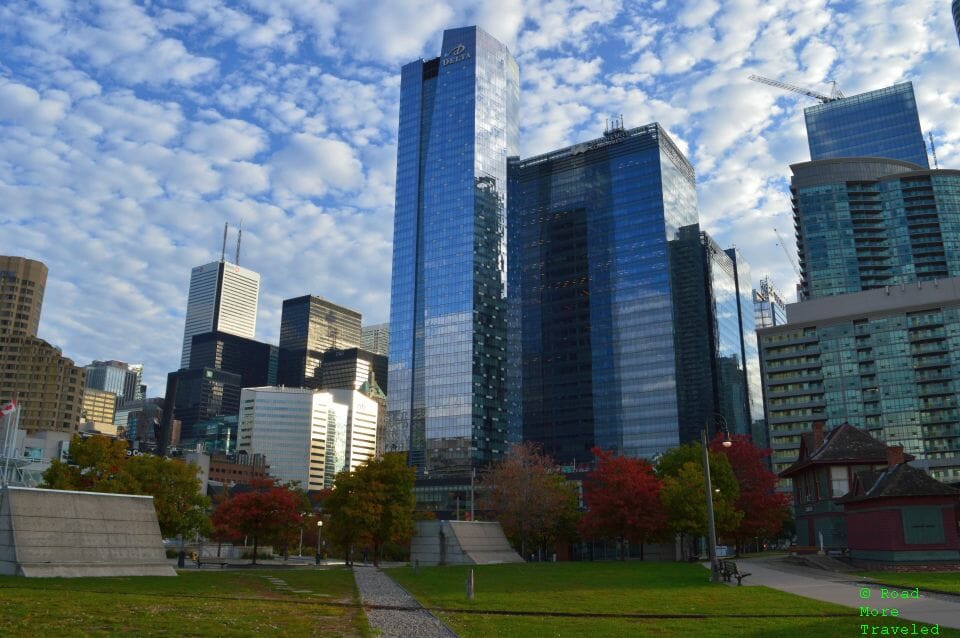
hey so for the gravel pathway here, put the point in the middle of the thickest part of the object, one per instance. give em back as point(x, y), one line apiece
point(392, 610)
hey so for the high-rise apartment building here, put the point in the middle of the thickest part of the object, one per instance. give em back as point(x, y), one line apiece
point(886, 360)
point(881, 123)
point(121, 379)
point(458, 124)
point(22, 282)
point(376, 338)
point(48, 386)
point(878, 236)
point(99, 410)
point(309, 326)
point(308, 435)
point(870, 223)
point(223, 297)
point(634, 327)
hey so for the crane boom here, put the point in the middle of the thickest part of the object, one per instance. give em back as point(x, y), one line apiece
point(786, 252)
point(802, 91)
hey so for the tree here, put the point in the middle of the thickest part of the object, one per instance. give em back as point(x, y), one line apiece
point(683, 496)
point(181, 508)
point(534, 504)
point(622, 496)
point(373, 505)
point(765, 510)
point(270, 510)
point(101, 464)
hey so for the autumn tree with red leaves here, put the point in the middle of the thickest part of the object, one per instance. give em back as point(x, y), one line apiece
point(764, 509)
point(622, 496)
point(270, 510)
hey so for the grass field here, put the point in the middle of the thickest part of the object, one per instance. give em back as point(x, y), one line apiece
point(196, 603)
point(939, 581)
point(614, 591)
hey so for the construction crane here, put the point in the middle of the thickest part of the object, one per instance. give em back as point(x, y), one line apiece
point(786, 252)
point(933, 149)
point(835, 94)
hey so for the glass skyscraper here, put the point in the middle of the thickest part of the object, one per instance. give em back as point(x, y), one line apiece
point(956, 16)
point(868, 223)
point(309, 326)
point(458, 125)
point(626, 322)
point(881, 123)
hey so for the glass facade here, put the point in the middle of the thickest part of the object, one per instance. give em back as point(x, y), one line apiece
point(769, 308)
point(895, 373)
point(630, 324)
point(309, 326)
point(865, 224)
point(881, 123)
point(255, 362)
point(458, 125)
point(956, 16)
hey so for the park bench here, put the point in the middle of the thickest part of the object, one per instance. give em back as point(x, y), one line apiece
point(199, 561)
point(729, 568)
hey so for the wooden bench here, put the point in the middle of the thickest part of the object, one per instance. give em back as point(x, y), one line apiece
point(729, 569)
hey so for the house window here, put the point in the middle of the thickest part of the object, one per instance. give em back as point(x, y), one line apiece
point(839, 482)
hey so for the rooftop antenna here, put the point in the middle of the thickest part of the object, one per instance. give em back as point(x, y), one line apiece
point(223, 251)
point(239, 234)
point(933, 150)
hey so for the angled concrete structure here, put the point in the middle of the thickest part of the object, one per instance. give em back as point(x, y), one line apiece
point(461, 543)
point(47, 533)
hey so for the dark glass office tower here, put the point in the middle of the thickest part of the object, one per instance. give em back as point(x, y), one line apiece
point(956, 16)
point(254, 361)
point(592, 297)
point(458, 125)
point(868, 223)
point(881, 123)
point(309, 326)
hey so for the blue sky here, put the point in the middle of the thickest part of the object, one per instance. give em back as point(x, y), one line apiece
point(129, 132)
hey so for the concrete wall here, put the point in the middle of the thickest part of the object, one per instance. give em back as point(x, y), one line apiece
point(72, 534)
point(461, 543)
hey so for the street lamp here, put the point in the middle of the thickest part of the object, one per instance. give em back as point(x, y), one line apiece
point(711, 525)
point(319, 534)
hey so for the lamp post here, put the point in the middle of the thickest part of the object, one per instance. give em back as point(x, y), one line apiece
point(319, 545)
point(708, 489)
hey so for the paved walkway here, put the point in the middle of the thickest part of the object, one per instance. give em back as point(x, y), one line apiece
point(846, 589)
point(392, 610)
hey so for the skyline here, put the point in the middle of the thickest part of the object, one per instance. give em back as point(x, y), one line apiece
point(130, 135)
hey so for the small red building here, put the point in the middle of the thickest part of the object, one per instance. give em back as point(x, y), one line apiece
point(902, 516)
point(823, 473)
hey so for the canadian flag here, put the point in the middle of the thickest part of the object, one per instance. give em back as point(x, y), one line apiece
point(8, 409)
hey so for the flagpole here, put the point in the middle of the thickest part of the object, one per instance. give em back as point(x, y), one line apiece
point(10, 433)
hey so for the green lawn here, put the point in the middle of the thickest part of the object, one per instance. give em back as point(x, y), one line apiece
point(942, 581)
point(196, 603)
point(624, 588)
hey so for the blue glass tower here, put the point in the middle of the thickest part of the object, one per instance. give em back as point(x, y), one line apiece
point(612, 318)
point(458, 125)
point(881, 123)
point(956, 16)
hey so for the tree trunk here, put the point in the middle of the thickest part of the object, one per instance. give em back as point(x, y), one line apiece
point(376, 553)
point(254, 549)
point(641, 550)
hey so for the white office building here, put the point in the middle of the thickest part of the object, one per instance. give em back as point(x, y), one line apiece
point(223, 297)
point(307, 435)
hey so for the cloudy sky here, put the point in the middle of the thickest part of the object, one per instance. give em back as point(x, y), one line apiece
point(130, 132)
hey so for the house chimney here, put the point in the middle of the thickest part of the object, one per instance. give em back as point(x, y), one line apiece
point(817, 434)
point(894, 455)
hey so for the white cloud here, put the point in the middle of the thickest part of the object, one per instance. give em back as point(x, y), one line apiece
point(228, 139)
point(311, 166)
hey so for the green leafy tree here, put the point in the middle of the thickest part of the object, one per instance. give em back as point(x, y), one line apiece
point(181, 508)
point(371, 506)
point(683, 492)
point(101, 464)
point(534, 504)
